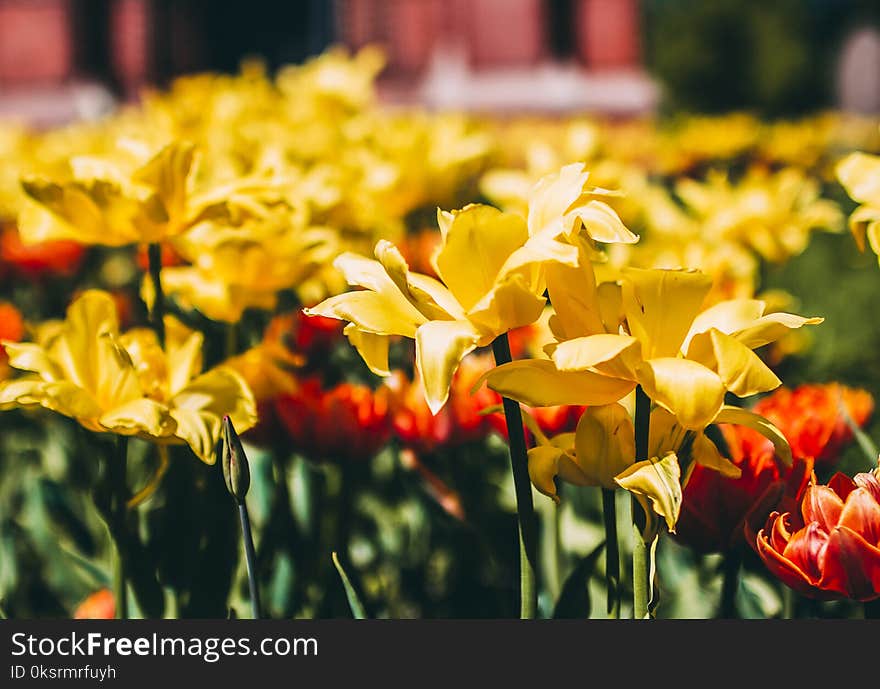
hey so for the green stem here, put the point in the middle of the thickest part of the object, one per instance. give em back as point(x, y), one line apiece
point(789, 603)
point(612, 552)
point(119, 497)
point(251, 559)
point(157, 315)
point(730, 584)
point(641, 558)
point(525, 509)
point(231, 340)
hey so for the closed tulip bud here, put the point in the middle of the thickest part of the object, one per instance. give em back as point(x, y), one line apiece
point(235, 464)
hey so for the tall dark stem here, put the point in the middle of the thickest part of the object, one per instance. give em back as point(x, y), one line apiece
point(641, 557)
point(157, 314)
point(730, 584)
point(612, 552)
point(251, 558)
point(119, 496)
point(525, 509)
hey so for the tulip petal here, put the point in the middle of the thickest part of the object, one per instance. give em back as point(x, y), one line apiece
point(612, 355)
point(552, 196)
point(782, 568)
point(861, 513)
point(689, 390)
point(806, 548)
point(573, 295)
point(705, 453)
point(478, 243)
point(543, 468)
point(851, 566)
point(870, 481)
point(660, 306)
point(771, 327)
point(859, 173)
point(538, 383)
point(660, 482)
point(199, 409)
point(822, 506)
point(741, 370)
point(27, 356)
point(429, 296)
point(140, 417)
point(372, 348)
point(604, 443)
point(509, 304)
point(440, 347)
point(727, 316)
point(744, 417)
point(602, 223)
point(372, 312)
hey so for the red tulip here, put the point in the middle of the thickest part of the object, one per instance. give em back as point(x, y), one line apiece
point(347, 422)
point(459, 421)
point(61, 257)
point(11, 326)
point(832, 550)
point(719, 513)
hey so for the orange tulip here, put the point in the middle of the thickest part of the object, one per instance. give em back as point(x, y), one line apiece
point(98, 606)
point(832, 549)
point(812, 420)
point(11, 326)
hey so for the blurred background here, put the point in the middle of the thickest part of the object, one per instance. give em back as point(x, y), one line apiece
point(65, 58)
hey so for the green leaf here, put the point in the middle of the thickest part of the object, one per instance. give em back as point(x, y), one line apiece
point(574, 599)
point(354, 601)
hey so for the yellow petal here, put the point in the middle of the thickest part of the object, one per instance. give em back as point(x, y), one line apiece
point(740, 369)
point(603, 224)
point(612, 355)
point(440, 347)
point(543, 468)
point(744, 417)
point(692, 392)
point(167, 173)
point(199, 408)
point(572, 292)
point(372, 348)
point(660, 306)
point(771, 327)
point(509, 304)
point(658, 480)
point(859, 173)
point(538, 383)
point(372, 275)
point(705, 453)
point(727, 316)
point(430, 297)
point(605, 443)
point(143, 417)
point(372, 312)
point(478, 242)
point(552, 196)
point(664, 434)
point(27, 356)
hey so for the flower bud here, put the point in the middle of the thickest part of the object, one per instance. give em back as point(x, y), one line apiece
point(235, 464)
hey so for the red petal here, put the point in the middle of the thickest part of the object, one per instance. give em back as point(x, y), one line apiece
point(783, 569)
point(861, 513)
point(823, 506)
point(870, 483)
point(851, 566)
point(841, 484)
point(805, 550)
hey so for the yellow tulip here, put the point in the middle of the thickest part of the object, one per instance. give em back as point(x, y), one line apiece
point(235, 268)
point(859, 173)
point(125, 383)
point(134, 198)
point(649, 330)
point(490, 282)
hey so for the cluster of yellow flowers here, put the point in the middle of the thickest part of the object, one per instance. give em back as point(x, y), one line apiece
point(266, 184)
